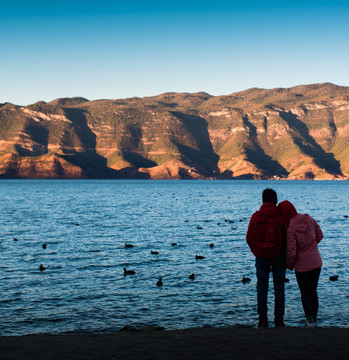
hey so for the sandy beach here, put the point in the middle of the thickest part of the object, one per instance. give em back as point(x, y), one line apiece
point(201, 343)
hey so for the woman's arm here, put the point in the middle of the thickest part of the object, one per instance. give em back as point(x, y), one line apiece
point(318, 232)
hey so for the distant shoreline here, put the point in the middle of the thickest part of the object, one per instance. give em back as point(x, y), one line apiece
point(138, 179)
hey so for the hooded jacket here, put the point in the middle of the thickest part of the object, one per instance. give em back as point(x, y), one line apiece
point(268, 209)
point(303, 235)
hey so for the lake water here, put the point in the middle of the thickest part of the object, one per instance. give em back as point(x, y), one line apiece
point(86, 223)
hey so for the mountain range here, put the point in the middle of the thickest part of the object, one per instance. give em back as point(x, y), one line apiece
point(300, 132)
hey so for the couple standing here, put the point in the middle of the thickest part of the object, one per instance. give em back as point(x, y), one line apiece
point(279, 237)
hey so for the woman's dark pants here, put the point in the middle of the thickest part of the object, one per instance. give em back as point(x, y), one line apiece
point(307, 282)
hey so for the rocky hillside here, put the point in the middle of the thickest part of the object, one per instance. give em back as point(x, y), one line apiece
point(295, 133)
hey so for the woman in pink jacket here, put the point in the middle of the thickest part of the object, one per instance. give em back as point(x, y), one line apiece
point(302, 255)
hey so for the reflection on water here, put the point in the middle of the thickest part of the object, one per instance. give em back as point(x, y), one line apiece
point(86, 224)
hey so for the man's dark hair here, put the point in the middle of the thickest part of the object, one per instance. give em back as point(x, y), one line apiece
point(269, 195)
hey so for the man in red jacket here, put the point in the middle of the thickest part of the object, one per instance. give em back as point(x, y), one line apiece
point(277, 265)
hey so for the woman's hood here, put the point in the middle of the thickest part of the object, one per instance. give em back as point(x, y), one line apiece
point(287, 209)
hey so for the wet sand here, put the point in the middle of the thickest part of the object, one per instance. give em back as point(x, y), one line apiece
point(202, 343)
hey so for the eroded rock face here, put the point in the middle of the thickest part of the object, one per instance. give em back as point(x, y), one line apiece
point(295, 133)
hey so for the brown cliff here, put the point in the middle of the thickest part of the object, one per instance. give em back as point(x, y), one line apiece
point(295, 133)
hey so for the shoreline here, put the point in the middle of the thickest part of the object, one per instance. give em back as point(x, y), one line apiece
point(235, 342)
point(176, 179)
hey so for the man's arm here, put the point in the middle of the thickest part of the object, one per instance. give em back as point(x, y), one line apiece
point(284, 226)
point(250, 230)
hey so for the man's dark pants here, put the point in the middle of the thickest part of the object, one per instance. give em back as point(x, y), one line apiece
point(278, 268)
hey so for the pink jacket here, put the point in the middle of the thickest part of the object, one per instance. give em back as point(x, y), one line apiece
point(303, 235)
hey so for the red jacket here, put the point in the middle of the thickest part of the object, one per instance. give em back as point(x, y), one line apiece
point(268, 209)
point(303, 235)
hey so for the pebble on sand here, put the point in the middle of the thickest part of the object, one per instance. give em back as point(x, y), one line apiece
point(146, 328)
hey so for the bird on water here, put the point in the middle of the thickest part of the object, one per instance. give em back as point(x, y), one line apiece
point(129, 272)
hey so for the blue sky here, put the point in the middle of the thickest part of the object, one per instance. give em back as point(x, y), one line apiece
point(118, 49)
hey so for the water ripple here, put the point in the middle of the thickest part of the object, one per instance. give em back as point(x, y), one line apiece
point(86, 224)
